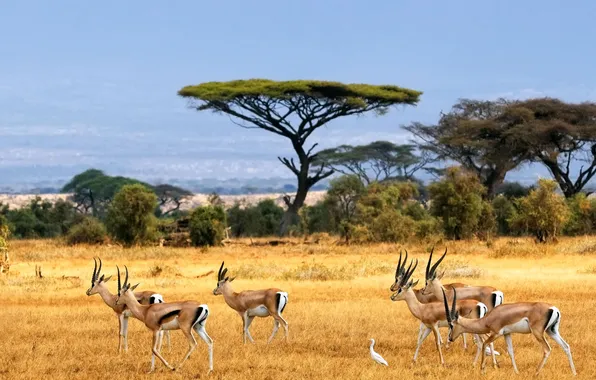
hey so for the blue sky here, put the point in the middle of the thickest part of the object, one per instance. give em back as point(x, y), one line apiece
point(86, 84)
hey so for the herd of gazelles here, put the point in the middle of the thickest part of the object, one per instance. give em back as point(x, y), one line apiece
point(477, 310)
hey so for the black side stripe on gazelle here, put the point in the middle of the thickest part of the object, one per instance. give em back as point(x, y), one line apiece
point(278, 300)
point(168, 315)
point(198, 315)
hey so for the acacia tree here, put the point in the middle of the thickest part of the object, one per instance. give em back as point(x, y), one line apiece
point(475, 135)
point(171, 196)
point(560, 135)
point(294, 110)
point(377, 161)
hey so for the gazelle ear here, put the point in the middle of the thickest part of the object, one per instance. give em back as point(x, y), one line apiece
point(135, 286)
point(106, 279)
point(412, 284)
point(232, 279)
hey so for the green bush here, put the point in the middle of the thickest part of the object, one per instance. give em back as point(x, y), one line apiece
point(457, 200)
point(505, 211)
point(207, 226)
point(260, 220)
point(542, 213)
point(130, 218)
point(89, 231)
point(582, 215)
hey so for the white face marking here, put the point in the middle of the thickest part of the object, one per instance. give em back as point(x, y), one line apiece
point(259, 311)
point(520, 327)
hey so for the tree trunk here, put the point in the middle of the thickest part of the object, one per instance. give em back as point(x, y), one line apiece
point(493, 181)
point(291, 215)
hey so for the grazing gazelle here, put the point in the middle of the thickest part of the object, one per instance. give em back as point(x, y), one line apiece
point(253, 303)
point(488, 295)
point(534, 318)
point(98, 286)
point(185, 316)
point(432, 314)
point(422, 298)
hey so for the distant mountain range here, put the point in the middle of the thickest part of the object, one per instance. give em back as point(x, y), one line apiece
point(233, 186)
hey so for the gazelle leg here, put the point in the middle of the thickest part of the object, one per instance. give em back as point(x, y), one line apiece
point(125, 332)
point(167, 332)
point(486, 343)
point(192, 344)
point(539, 335)
point(203, 334)
point(559, 339)
point(437, 334)
point(478, 349)
point(275, 327)
point(247, 322)
point(156, 353)
point(421, 338)
point(159, 339)
point(120, 333)
point(284, 323)
point(465, 341)
point(510, 351)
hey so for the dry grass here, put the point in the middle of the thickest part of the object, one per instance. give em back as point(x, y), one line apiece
point(338, 299)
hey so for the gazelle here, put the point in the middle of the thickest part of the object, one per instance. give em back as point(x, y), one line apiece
point(534, 318)
point(253, 303)
point(488, 295)
point(422, 298)
point(98, 286)
point(432, 314)
point(185, 316)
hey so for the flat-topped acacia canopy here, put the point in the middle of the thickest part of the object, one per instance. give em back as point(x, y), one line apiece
point(356, 95)
point(295, 109)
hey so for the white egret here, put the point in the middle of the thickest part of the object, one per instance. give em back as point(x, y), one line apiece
point(376, 357)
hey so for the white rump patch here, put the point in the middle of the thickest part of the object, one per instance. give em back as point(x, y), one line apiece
point(157, 298)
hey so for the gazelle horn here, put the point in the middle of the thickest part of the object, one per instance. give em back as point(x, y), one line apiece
point(434, 268)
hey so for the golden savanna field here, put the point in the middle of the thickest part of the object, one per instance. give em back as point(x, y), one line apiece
point(338, 299)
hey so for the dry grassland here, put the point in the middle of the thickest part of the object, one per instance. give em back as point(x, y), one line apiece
point(338, 299)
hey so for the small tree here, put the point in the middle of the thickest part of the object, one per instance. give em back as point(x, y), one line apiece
point(207, 226)
point(457, 200)
point(344, 193)
point(581, 215)
point(377, 161)
point(543, 212)
point(130, 216)
point(170, 197)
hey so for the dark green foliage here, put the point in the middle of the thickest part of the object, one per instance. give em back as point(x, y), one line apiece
point(260, 220)
point(294, 110)
point(582, 218)
point(513, 190)
point(457, 201)
point(388, 212)
point(377, 161)
point(320, 217)
point(556, 134)
point(89, 231)
point(505, 211)
point(171, 197)
point(130, 218)
point(41, 219)
point(342, 197)
point(207, 226)
point(473, 135)
point(93, 190)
